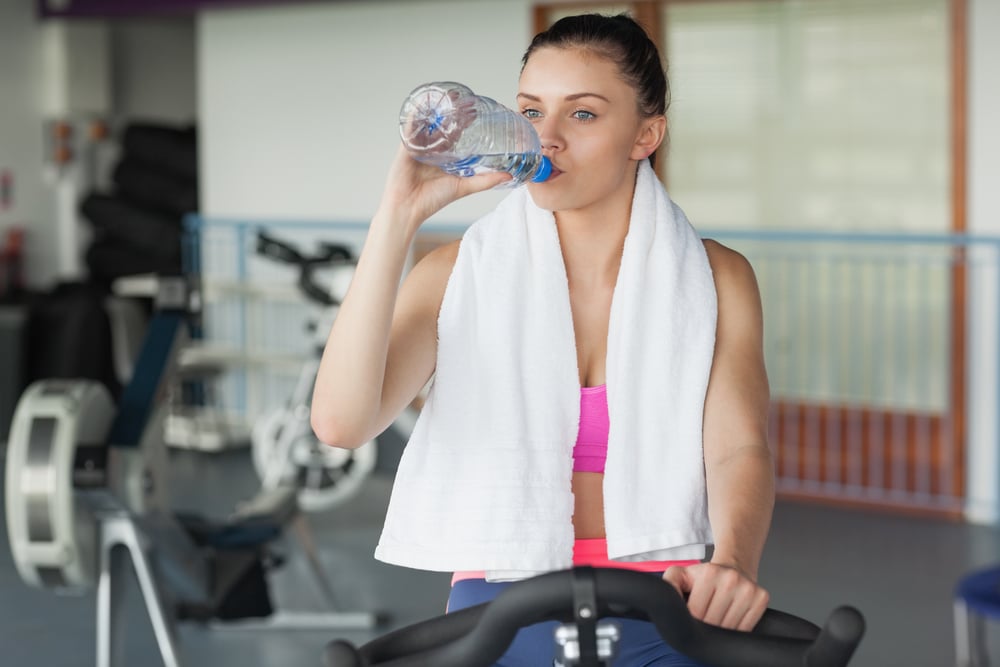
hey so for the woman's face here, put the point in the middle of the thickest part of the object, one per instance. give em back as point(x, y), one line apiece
point(588, 120)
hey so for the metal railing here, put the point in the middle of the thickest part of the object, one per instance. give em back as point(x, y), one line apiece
point(866, 350)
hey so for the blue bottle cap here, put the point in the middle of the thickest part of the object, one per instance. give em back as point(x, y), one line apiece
point(544, 171)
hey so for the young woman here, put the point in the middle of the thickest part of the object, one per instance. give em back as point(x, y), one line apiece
point(599, 391)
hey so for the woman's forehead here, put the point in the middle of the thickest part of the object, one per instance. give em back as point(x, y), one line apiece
point(568, 71)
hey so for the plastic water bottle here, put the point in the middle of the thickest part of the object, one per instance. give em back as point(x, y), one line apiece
point(447, 125)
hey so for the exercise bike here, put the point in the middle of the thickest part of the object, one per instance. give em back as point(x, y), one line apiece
point(585, 601)
point(285, 451)
point(87, 497)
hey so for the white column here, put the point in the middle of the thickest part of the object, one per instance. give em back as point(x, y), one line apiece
point(983, 476)
point(76, 72)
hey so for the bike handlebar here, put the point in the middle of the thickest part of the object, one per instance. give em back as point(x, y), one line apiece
point(478, 636)
point(329, 255)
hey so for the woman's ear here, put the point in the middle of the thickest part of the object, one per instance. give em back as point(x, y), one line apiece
point(650, 136)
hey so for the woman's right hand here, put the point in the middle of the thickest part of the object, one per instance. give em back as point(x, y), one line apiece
point(417, 191)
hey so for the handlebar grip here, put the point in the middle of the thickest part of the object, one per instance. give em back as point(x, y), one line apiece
point(275, 249)
point(341, 653)
point(420, 637)
point(838, 640)
point(335, 252)
point(330, 254)
point(781, 624)
point(313, 291)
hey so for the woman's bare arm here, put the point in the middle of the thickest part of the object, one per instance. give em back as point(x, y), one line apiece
point(738, 465)
point(383, 344)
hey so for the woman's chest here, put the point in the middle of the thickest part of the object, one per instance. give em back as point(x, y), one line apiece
point(591, 313)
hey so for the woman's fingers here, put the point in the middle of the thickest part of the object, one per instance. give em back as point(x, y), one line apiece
point(481, 182)
point(755, 612)
point(720, 595)
point(677, 577)
point(703, 596)
point(422, 190)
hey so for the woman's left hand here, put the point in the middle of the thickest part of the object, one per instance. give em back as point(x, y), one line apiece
point(720, 594)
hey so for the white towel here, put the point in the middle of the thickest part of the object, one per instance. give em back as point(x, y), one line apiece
point(485, 480)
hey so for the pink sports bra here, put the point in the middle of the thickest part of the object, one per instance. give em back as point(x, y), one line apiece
point(589, 455)
point(591, 448)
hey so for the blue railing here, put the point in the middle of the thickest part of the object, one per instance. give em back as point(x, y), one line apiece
point(860, 341)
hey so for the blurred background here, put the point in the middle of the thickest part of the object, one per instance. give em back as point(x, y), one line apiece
point(849, 148)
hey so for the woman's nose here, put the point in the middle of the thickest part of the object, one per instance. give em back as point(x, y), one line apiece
point(549, 134)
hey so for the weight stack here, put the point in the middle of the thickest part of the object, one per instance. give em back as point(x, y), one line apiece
point(13, 322)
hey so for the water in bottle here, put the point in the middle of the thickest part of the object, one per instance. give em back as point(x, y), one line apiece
point(447, 125)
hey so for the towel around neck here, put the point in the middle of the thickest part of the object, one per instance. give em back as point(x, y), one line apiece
point(485, 480)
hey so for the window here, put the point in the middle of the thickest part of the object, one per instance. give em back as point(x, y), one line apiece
point(811, 114)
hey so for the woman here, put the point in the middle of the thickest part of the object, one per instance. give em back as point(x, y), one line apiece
point(479, 490)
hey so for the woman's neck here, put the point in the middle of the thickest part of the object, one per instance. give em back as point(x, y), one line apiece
point(592, 240)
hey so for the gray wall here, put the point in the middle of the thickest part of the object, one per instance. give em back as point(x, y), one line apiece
point(300, 104)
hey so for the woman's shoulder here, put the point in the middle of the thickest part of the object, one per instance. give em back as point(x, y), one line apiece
point(436, 266)
point(731, 270)
point(424, 286)
point(726, 261)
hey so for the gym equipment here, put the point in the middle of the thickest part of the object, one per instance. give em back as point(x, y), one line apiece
point(69, 335)
point(13, 324)
point(138, 182)
point(86, 495)
point(172, 150)
point(579, 598)
point(137, 217)
point(285, 450)
point(977, 599)
point(144, 231)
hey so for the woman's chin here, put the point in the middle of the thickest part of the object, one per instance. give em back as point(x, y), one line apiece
point(544, 198)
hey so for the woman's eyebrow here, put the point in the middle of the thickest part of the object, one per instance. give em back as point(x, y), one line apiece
point(568, 98)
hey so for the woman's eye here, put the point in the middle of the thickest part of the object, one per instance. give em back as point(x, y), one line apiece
point(580, 114)
point(532, 113)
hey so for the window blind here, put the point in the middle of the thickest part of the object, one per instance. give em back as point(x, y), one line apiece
point(815, 114)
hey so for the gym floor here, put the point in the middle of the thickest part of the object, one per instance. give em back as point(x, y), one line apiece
point(898, 570)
